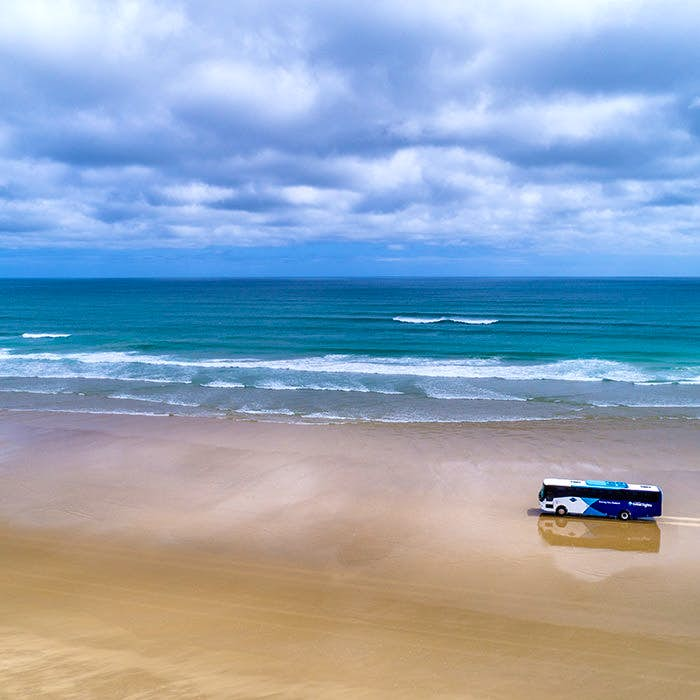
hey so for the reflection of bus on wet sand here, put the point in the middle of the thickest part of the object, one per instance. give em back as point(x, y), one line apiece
point(600, 534)
point(604, 499)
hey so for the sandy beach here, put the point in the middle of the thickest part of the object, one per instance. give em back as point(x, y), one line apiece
point(148, 557)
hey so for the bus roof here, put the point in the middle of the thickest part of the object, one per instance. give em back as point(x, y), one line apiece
point(600, 484)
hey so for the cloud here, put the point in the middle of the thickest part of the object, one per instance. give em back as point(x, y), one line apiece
point(567, 118)
point(197, 193)
point(522, 126)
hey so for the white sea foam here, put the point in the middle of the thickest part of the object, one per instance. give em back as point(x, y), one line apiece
point(645, 404)
point(281, 386)
point(582, 370)
point(470, 419)
point(443, 319)
point(476, 395)
point(130, 397)
point(326, 416)
point(427, 419)
point(166, 402)
point(34, 336)
point(314, 416)
point(90, 411)
point(32, 372)
point(46, 392)
point(567, 370)
point(225, 385)
point(266, 411)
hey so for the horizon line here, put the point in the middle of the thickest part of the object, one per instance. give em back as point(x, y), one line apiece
point(335, 277)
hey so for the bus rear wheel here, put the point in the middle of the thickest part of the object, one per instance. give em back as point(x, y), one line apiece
point(561, 511)
point(625, 515)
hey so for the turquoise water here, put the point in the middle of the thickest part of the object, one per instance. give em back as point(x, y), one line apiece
point(380, 349)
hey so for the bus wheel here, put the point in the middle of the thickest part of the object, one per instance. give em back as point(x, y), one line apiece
point(625, 515)
point(561, 510)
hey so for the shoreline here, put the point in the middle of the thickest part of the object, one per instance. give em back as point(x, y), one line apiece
point(227, 558)
point(287, 419)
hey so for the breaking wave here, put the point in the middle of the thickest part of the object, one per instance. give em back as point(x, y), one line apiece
point(126, 364)
point(443, 319)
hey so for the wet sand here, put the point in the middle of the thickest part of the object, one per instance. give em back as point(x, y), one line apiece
point(150, 557)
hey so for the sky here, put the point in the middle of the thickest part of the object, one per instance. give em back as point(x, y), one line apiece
point(349, 138)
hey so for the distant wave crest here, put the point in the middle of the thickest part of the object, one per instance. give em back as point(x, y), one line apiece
point(35, 336)
point(443, 319)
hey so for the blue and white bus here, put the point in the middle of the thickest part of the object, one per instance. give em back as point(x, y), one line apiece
point(606, 499)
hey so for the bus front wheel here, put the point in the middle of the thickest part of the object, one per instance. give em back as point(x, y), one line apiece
point(561, 510)
point(625, 515)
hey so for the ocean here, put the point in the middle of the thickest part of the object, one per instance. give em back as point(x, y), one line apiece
point(394, 350)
